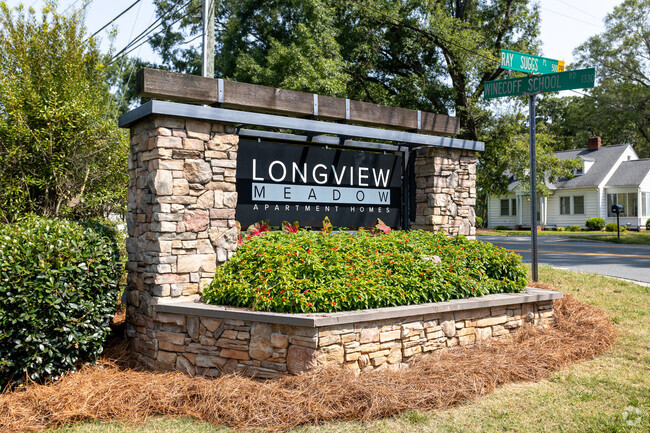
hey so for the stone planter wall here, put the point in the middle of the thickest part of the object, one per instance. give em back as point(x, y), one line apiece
point(181, 223)
point(206, 340)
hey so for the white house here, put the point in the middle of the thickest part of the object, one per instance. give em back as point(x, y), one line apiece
point(609, 175)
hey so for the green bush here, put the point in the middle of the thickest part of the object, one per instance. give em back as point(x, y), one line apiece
point(316, 272)
point(479, 222)
point(574, 228)
point(560, 229)
point(501, 228)
point(611, 227)
point(595, 224)
point(59, 287)
point(647, 224)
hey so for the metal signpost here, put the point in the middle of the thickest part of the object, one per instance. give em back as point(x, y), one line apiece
point(553, 79)
point(617, 209)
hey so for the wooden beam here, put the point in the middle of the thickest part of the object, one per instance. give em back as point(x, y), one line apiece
point(159, 84)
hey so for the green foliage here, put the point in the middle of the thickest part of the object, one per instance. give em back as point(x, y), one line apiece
point(320, 272)
point(561, 229)
point(618, 108)
point(501, 228)
point(431, 56)
point(612, 227)
point(595, 223)
point(59, 287)
point(480, 223)
point(574, 228)
point(61, 151)
point(647, 224)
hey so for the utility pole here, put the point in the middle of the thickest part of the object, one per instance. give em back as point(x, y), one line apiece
point(207, 69)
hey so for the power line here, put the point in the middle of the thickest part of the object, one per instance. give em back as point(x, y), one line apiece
point(579, 10)
point(157, 23)
point(130, 47)
point(573, 18)
point(113, 20)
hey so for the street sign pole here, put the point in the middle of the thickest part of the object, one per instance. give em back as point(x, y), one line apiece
point(544, 75)
point(533, 185)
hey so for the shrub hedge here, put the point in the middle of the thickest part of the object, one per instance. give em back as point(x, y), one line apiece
point(59, 287)
point(595, 224)
point(612, 227)
point(574, 228)
point(320, 272)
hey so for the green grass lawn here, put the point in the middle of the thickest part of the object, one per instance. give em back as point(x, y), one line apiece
point(638, 238)
point(491, 232)
point(591, 396)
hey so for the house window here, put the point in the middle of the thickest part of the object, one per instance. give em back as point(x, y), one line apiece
point(627, 199)
point(513, 203)
point(565, 205)
point(579, 204)
point(505, 207)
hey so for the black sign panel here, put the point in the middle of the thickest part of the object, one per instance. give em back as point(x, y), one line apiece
point(287, 182)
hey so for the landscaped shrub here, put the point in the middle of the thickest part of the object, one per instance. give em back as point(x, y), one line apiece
point(479, 222)
point(595, 224)
point(320, 272)
point(501, 228)
point(560, 229)
point(647, 224)
point(59, 287)
point(574, 228)
point(611, 227)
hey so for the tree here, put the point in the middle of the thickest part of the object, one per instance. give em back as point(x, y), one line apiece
point(61, 152)
point(429, 55)
point(509, 154)
point(619, 107)
point(426, 55)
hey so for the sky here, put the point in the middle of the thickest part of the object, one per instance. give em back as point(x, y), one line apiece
point(565, 23)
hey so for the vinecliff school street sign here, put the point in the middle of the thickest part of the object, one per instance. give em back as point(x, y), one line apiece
point(577, 79)
point(288, 182)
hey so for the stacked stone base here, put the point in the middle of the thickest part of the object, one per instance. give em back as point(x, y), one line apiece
point(206, 340)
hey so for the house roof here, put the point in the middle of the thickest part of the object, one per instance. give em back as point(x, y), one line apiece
point(630, 173)
point(603, 160)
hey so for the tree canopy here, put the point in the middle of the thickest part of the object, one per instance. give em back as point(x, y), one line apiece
point(618, 108)
point(61, 152)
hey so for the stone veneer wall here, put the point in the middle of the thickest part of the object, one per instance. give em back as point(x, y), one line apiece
point(210, 345)
point(180, 217)
point(445, 194)
point(181, 225)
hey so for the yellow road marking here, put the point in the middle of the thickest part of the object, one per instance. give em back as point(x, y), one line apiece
point(583, 254)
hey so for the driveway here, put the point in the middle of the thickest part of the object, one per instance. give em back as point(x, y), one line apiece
point(631, 262)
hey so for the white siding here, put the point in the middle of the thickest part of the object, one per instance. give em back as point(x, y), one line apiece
point(645, 188)
point(494, 213)
point(634, 221)
point(590, 204)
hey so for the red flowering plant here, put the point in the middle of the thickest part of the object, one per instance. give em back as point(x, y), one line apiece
point(309, 271)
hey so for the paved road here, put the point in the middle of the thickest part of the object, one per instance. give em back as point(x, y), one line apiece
point(631, 262)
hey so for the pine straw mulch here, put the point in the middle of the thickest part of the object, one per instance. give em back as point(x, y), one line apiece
point(116, 389)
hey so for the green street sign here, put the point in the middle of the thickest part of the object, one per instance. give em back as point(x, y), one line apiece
point(528, 63)
point(577, 79)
